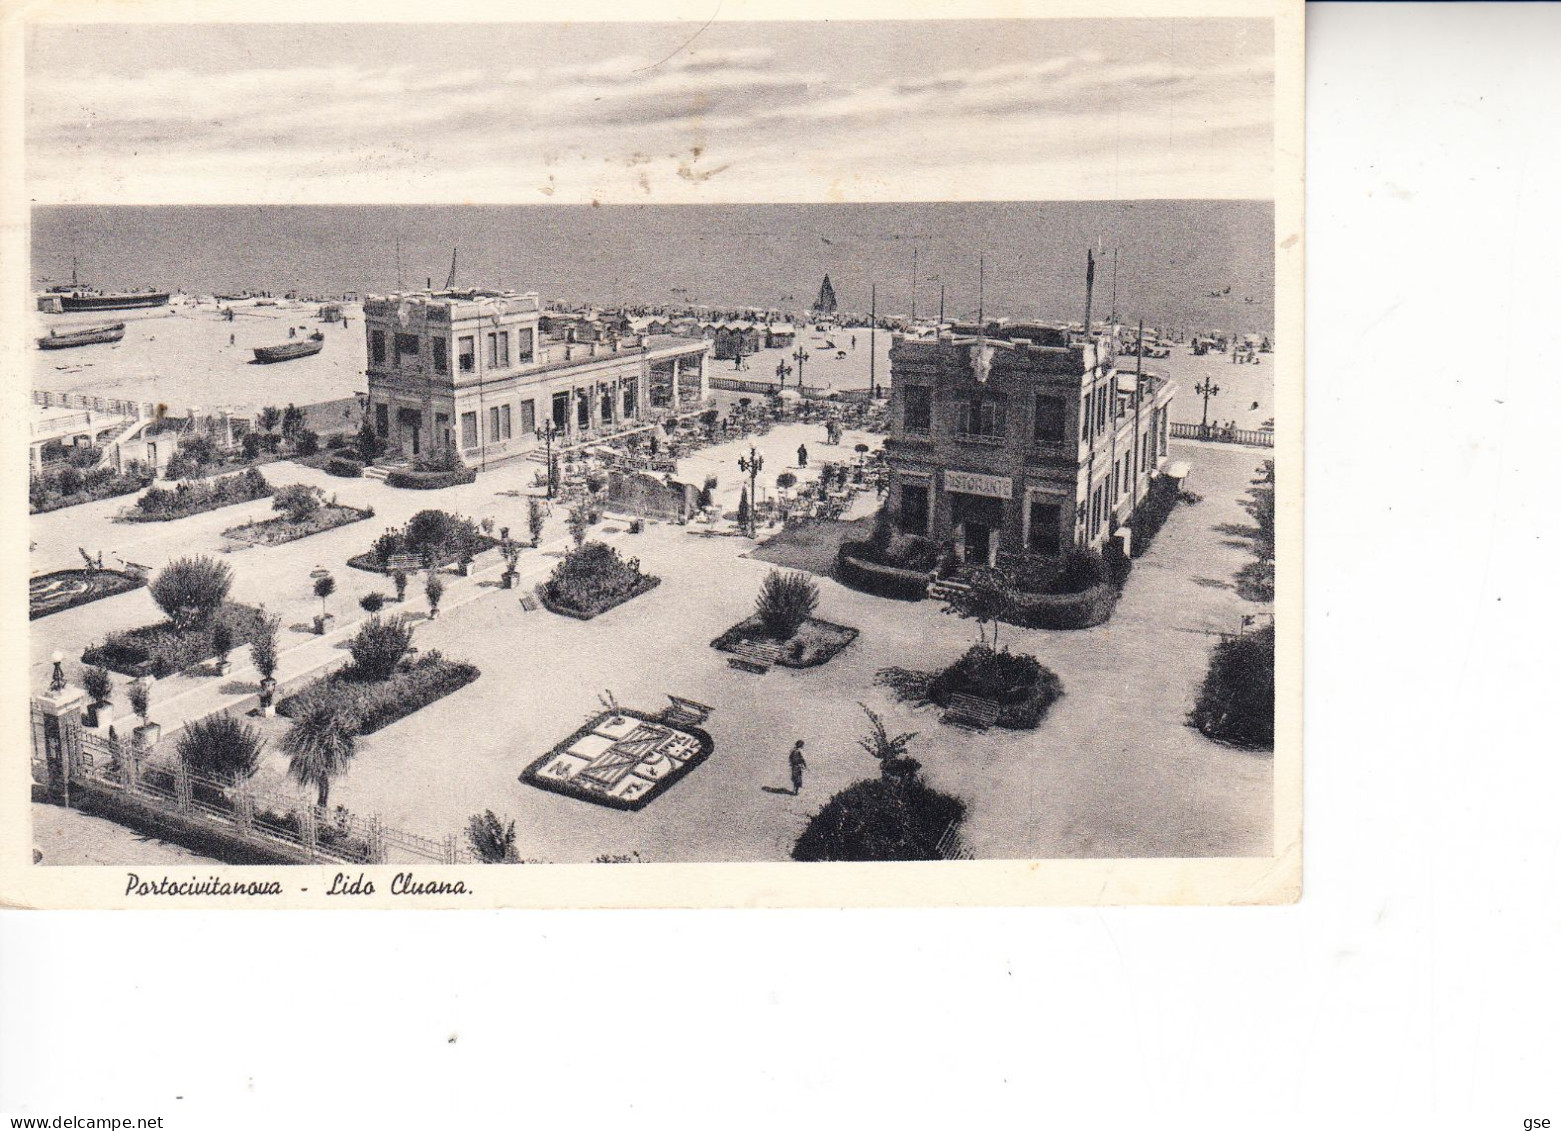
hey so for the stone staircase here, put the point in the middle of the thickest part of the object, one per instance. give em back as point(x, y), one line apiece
point(373, 471)
point(944, 589)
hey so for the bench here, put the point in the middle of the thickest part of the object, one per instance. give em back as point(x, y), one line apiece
point(754, 656)
point(685, 712)
point(406, 563)
point(529, 604)
point(971, 712)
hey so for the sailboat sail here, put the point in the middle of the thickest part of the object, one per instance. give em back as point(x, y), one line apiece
point(826, 298)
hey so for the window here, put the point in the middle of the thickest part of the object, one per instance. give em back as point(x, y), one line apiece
point(377, 344)
point(1051, 415)
point(441, 355)
point(1100, 410)
point(583, 410)
point(382, 419)
point(406, 348)
point(506, 423)
point(914, 508)
point(523, 347)
point(528, 417)
point(468, 429)
point(560, 410)
point(981, 416)
point(918, 408)
point(498, 350)
point(1045, 527)
point(606, 404)
point(466, 351)
point(629, 391)
point(493, 424)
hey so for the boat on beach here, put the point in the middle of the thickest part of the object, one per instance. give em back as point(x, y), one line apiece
point(76, 297)
point(87, 336)
point(304, 347)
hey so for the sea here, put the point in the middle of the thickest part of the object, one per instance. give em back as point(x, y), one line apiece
point(1178, 264)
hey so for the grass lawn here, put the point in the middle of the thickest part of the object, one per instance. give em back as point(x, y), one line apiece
point(812, 546)
point(276, 531)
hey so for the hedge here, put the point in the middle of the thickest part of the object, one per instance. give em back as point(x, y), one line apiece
point(375, 704)
point(645, 586)
point(1152, 513)
point(430, 480)
point(157, 650)
point(1063, 610)
point(346, 468)
point(857, 571)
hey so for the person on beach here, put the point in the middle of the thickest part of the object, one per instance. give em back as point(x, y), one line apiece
point(802, 455)
point(853, 341)
point(232, 339)
point(798, 764)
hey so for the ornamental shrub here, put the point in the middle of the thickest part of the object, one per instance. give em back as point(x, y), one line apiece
point(785, 601)
point(220, 746)
point(378, 647)
point(1236, 702)
point(191, 590)
point(298, 502)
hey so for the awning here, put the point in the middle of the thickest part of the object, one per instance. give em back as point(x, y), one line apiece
point(1179, 470)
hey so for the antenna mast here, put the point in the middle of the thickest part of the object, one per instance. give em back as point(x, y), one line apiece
point(913, 286)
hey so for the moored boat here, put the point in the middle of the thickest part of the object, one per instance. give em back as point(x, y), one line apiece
point(85, 337)
point(110, 300)
point(305, 347)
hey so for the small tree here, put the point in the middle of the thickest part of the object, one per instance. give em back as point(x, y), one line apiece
point(306, 442)
point(535, 520)
point(368, 443)
point(292, 421)
point(986, 600)
point(743, 510)
point(491, 839)
point(298, 502)
point(191, 590)
point(221, 641)
point(324, 586)
point(433, 591)
point(99, 684)
point(372, 602)
point(785, 601)
point(221, 747)
point(140, 697)
point(400, 579)
point(579, 523)
point(270, 417)
point(263, 644)
point(785, 481)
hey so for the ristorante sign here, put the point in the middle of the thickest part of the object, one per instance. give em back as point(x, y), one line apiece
point(970, 483)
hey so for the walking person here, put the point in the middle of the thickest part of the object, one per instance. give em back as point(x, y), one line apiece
point(802, 455)
point(798, 764)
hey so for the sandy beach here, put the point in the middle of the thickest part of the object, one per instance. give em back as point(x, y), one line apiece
point(180, 356)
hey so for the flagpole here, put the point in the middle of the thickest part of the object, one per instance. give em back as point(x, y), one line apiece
point(872, 347)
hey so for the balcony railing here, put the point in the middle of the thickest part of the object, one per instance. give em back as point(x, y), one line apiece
point(987, 439)
point(1213, 432)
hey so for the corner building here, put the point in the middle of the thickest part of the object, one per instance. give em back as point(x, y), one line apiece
point(483, 372)
point(1026, 439)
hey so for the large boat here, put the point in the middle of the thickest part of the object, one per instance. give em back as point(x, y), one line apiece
point(77, 297)
point(85, 337)
point(305, 347)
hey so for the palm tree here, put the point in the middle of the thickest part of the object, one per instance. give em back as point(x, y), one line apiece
point(321, 742)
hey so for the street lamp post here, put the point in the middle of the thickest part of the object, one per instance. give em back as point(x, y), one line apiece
point(753, 463)
point(800, 355)
point(783, 371)
point(1206, 389)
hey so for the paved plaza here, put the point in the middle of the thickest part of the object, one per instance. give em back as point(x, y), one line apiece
point(1112, 771)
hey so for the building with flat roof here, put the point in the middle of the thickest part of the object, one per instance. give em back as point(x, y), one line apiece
point(1027, 442)
point(482, 372)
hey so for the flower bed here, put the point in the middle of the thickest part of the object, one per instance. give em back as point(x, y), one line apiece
point(430, 480)
point(593, 579)
point(1063, 611)
point(1017, 682)
point(70, 486)
point(276, 531)
point(375, 704)
point(816, 642)
point(195, 496)
point(854, 566)
point(344, 468)
point(157, 650)
point(621, 759)
point(66, 588)
point(432, 536)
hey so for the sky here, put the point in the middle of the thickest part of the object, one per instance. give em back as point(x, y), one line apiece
point(650, 112)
